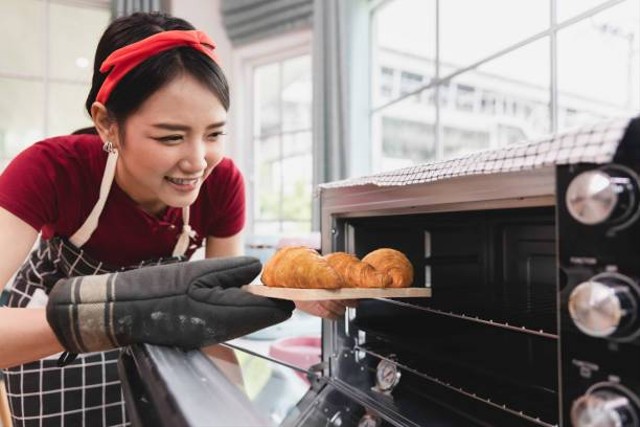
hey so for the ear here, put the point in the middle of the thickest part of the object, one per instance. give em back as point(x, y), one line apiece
point(105, 125)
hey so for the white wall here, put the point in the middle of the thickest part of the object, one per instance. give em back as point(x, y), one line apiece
point(205, 15)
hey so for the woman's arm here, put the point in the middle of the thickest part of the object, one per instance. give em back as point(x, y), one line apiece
point(224, 246)
point(26, 335)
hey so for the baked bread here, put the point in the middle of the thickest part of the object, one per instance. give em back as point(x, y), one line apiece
point(355, 273)
point(300, 267)
point(393, 263)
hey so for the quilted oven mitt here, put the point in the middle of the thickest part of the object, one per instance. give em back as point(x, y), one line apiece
point(188, 305)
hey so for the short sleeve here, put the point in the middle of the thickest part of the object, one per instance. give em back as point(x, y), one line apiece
point(27, 187)
point(226, 191)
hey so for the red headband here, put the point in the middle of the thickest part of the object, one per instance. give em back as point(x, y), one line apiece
point(123, 60)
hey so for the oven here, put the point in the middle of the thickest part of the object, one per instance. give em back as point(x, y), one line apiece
point(532, 253)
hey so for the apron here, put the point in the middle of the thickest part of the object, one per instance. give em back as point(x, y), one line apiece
point(87, 391)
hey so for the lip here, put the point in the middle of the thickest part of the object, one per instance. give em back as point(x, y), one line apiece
point(183, 184)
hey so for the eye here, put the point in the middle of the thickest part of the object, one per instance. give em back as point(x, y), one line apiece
point(169, 139)
point(214, 136)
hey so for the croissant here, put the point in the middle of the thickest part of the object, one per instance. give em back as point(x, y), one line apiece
point(355, 273)
point(300, 267)
point(394, 263)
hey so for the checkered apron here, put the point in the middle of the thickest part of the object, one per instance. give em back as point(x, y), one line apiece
point(87, 391)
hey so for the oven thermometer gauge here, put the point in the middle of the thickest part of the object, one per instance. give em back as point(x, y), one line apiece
point(369, 420)
point(387, 375)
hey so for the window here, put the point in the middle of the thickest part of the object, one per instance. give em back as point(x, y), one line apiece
point(409, 82)
point(272, 122)
point(386, 82)
point(282, 146)
point(43, 92)
point(485, 79)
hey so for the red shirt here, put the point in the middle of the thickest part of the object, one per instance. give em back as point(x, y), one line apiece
point(54, 184)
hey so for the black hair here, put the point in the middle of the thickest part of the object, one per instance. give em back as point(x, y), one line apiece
point(156, 71)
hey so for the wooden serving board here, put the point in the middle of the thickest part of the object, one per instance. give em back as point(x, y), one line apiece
point(344, 293)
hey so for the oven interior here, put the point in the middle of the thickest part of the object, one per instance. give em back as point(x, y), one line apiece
point(483, 349)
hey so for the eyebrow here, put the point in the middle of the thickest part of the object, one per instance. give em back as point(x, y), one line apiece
point(175, 127)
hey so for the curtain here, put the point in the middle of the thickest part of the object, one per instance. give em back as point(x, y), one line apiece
point(341, 140)
point(127, 7)
point(250, 20)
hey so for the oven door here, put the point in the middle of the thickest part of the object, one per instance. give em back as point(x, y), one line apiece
point(169, 387)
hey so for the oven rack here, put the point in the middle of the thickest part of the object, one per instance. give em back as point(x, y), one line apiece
point(370, 347)
point(387, 412)
point(490, 322)
point(521, 414)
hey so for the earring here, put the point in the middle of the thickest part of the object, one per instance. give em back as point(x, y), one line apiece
point(108, 147)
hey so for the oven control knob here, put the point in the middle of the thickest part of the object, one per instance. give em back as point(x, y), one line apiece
point(604, 408)
point(604, 306)
point(597, 196)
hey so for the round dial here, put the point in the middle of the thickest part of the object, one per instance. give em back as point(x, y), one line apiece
point(387, 375)
point(336, 420)
point(606, 305)
point(597, 196)
point(604, 407)
point(369, 420)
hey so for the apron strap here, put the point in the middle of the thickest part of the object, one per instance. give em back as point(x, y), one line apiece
point(84, 233)
point(183, 241)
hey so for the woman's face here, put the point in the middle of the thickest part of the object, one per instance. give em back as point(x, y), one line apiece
point(172, 143)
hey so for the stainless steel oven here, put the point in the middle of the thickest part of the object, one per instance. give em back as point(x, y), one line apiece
point(533, 256)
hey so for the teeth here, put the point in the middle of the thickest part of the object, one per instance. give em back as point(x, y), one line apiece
point(182, 181)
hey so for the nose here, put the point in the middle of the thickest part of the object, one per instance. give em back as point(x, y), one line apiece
point(194, 158)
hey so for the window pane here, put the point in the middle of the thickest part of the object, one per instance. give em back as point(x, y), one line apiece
point(266, 228)
point(569, 8)
point(471, 30)
point(296, 188)
point(598, 73)
point(269, 178)
point(21, 115)
point(404, 34)
point(463, 138)
point(73, 37)
point(282, 111)
point(66, 108)
point(286, 200)
point(22, 37)
point(503, 101)
point(267, 99)
point(404, 133)
point(296, 93)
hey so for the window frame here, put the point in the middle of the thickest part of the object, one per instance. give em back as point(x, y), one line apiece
point(244, 62)
point(442, 79)
point(45, 75)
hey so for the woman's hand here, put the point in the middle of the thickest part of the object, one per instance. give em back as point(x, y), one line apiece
point(189, 305)
point(327, 309)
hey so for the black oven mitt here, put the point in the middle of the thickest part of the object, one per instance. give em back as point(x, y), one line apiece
point(189, 305)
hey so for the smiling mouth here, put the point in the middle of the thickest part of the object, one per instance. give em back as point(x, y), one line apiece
point(182, 181)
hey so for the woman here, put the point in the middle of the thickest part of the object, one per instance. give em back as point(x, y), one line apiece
point(148, 187)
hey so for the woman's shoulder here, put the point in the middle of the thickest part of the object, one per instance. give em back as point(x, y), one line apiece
point(224, 183)
point(52, 180)
point(68, 154)
point(80, 146)
point(226, 170)
point(61, 154)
